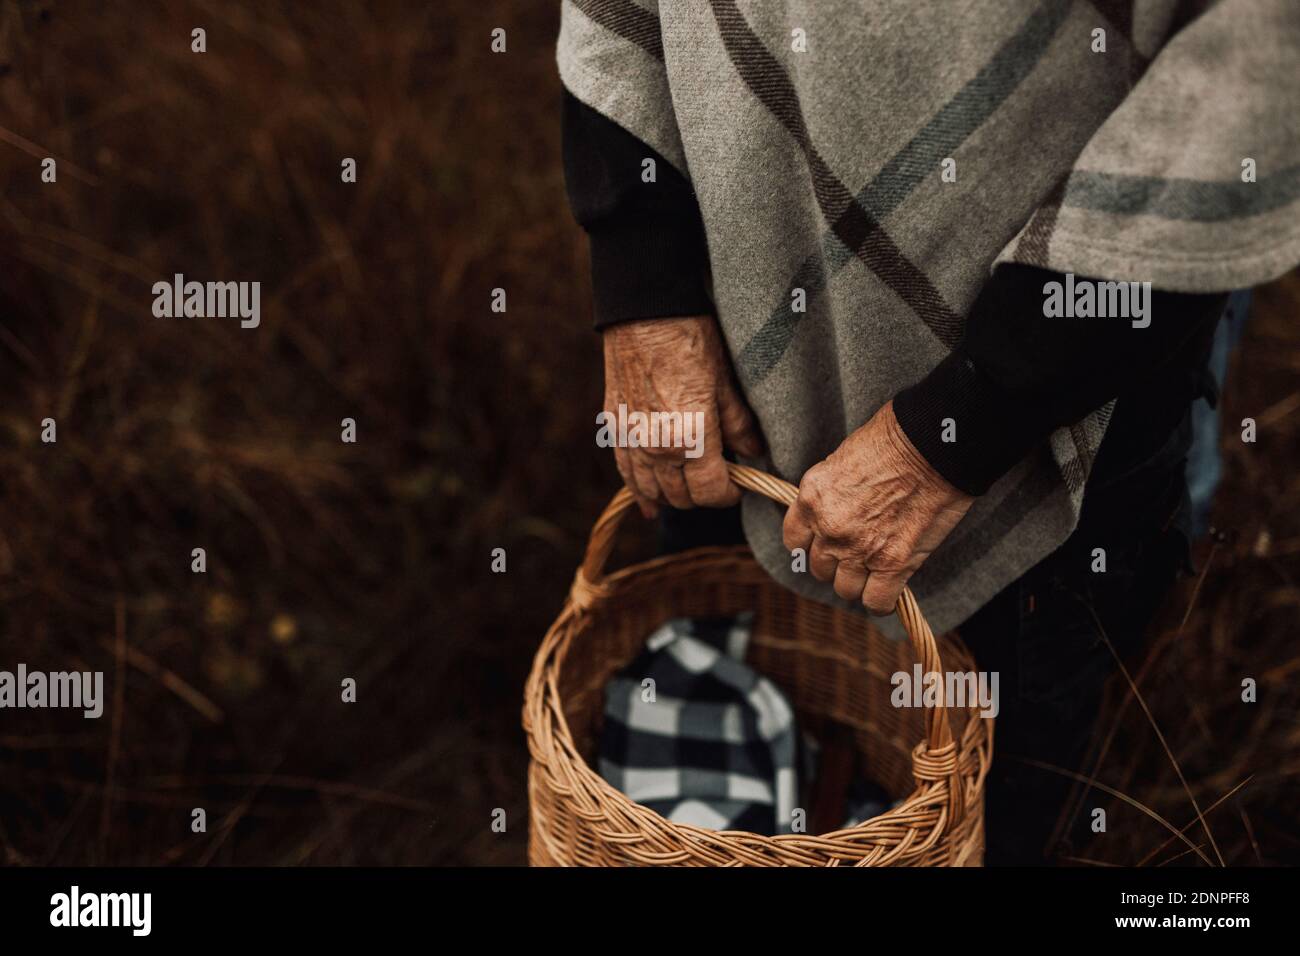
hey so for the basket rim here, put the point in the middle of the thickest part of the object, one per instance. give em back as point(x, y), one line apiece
point(921, 816)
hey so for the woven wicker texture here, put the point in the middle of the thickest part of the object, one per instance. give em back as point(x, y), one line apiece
point(831, 663)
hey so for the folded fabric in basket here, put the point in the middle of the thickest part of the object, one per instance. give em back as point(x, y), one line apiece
point(694, 734)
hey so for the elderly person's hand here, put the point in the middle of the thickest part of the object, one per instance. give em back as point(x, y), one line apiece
point(678, 365)
point(870, 514)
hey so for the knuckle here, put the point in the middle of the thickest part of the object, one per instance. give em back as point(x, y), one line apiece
point(663, 454)
point(832, 525)
point(893, 555)
point(639, 461)
point(812, 482)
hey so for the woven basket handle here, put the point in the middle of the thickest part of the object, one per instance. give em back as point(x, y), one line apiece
point(932, 761)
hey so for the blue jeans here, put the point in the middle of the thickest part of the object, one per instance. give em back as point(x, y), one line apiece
point(1204, 462)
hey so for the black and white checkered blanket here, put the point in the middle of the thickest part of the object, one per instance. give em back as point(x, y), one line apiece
point(694, 734)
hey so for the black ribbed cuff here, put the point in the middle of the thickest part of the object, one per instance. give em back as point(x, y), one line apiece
point(647, 270)
point(964, 425)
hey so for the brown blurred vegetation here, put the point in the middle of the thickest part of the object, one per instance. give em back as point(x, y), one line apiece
point(328, 560)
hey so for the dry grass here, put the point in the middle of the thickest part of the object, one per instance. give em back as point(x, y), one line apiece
point(370, 560)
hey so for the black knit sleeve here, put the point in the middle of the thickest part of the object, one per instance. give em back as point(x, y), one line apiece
point(649, 258)
point(1018, 374)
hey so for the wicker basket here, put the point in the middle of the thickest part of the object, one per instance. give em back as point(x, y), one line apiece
point(832, 663)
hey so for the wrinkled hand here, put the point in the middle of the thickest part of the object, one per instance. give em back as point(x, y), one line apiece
point(678, 365)
point(870, 514)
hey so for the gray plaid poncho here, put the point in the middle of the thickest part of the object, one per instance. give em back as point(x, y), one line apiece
point(814, 133)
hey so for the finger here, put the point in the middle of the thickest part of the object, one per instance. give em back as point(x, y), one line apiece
point(882, 591)
point(645, 486)
point(709, 484)
point(624, 465)
point(850, 579)
point(623, 461)
point(796, 530)
point(821, 562)
point(706, 475)
point(739, 428)
point(673, 484)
